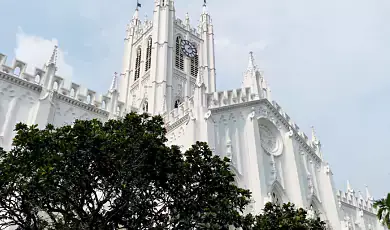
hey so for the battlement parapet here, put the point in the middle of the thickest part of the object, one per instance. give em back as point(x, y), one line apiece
point(229, 97)
point(193, 31)
point(142, 29)
point(356, 200)
point(16, 73)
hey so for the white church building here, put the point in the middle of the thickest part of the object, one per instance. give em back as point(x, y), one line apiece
point(169, 69)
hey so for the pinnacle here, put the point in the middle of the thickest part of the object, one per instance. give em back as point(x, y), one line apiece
point(251, 64)
point(314, 138)
point(114, 83)
point(53, 58)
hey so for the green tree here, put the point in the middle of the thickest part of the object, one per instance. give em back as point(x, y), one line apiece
point(383, 210)
point(94, 175)
point(284, 216)
point(121, 174)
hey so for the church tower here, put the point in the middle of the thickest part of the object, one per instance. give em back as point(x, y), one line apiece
point(163, 57)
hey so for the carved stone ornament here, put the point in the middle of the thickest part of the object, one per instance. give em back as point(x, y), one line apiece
point(290, 133)
point(207, 115)
point(252, 114)
point(266, 113)
point(268, 139)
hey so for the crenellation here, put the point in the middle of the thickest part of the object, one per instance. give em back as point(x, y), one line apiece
point(19, 67)
point(229, 97)
point(7, 69)
point(356, 200)
point(192, 30)
point(3, 59)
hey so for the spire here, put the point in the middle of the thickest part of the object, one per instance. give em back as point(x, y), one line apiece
point(360, 195)
point(53, 58)
point(135, 20)
point(251, 64)
point(114, 83)
point(205, 18)
point(145, 18)
point(187, 19)
point(368, 195)
point(349, 188)
point(204, 11)
point(314, 138)
point(136, 14)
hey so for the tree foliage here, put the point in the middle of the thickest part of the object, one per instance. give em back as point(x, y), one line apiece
point(284, 216)
point(383, 210)
point(120, 174)
point(101, 176)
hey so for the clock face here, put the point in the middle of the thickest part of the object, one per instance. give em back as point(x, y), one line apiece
point(188, 48)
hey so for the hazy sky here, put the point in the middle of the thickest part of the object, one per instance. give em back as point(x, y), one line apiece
point(327, 62)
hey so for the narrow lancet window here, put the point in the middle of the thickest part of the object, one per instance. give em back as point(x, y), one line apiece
point(137, 71)
point(148, 55)
point(194, 65)
point(179, 57)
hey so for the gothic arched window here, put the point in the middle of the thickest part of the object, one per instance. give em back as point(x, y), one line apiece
point(276, 198)
point(148, 55)
point(179, 57)
point(177, 103)
point(194, 65)
point(137, 64)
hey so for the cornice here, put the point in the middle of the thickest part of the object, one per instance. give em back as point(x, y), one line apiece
point(82, 105)
point(20, 82)
point(274, 111)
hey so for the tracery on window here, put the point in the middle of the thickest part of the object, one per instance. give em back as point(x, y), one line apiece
point(148, 55)
point(137, 64)
point(194, 65)
point(179, 57)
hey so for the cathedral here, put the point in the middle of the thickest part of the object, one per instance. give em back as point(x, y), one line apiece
point(169, 69)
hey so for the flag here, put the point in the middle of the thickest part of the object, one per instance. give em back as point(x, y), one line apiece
point(139, 4)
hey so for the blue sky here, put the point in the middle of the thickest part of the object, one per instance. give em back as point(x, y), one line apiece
point(326, 62)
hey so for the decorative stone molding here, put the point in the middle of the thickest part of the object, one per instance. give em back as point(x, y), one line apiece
point(207, 115)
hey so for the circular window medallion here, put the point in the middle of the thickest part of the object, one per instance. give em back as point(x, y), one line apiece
point(270, 139)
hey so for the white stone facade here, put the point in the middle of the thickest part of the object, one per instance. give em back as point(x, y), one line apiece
point(269, 154)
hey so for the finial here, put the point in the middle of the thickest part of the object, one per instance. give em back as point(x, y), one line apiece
point(368, 195)
point(314, 135)
point(360, 195)
point(136, 13)
point(114, 83)
point(251, 63)
point(187, 20)
point(204, 7)
point(349, 188)
point(53, 58)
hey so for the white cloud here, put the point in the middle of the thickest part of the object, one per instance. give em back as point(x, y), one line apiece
point(36, 51)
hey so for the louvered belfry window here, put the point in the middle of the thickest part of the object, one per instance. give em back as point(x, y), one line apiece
point(194, 65)
point(137, 64)
point(179, 58)
point(148, 55)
